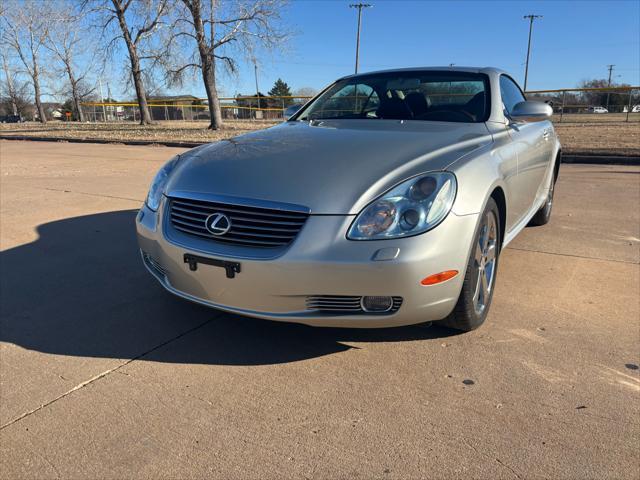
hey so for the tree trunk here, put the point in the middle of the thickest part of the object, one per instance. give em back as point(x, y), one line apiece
point(36, 89)
point(76, 98)
point(145, 117)
point(136, 72)
point(209, 78)
point(14, 104)
point(207, 65)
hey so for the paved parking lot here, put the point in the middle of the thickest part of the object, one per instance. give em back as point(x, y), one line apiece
point(104, 375)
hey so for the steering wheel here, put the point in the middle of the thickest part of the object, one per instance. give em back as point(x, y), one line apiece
point(447, 116)
point(467, 114)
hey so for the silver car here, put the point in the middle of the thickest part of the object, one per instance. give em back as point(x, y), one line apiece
point(384, 201)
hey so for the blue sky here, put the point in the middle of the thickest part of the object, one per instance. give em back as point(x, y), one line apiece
point(574, 41)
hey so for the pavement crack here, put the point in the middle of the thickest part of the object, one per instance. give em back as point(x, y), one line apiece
point(572, 255)
point(507, 467)
point(104, 374)
point(89, 194)
point(496, 459)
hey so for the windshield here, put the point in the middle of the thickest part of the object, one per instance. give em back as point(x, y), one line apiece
point(412, 95)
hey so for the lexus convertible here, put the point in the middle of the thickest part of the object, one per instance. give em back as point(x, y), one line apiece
point(383, 201)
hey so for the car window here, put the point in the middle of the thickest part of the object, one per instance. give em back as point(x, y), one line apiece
point(410, 95)
point(511, 94)
point(349, 101)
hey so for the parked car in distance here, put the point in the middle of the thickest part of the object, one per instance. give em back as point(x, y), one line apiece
point(11, 119)
point(597, 110)
point(386, 200)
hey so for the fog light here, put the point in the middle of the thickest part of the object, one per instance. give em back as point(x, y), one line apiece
point(376, 304)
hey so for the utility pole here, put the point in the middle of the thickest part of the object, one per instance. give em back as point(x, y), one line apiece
point(255, 72)
point(359, 6)
point(104, 111)
point(610, 68)
point(526, 68)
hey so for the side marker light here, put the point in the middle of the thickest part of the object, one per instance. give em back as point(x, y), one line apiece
point(439, 277)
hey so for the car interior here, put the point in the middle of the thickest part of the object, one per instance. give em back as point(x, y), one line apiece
point(432, 97)
point(418, 106)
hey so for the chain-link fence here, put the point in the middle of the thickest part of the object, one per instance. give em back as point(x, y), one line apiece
point(193, 109)
point(611, 104)
point(615, 104)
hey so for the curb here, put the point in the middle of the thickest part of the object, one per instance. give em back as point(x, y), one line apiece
point(601, 159)
point(103, 141)
point(578, 157)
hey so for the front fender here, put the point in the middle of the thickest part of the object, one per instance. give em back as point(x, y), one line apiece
point(478, 176)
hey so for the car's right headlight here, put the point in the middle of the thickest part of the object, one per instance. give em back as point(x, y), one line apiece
point(410, 208)
point(154, 197)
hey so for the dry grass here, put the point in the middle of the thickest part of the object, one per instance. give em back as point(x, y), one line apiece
point(596, 118)
point(120, 132)
point(600, 138)
point(588, 134)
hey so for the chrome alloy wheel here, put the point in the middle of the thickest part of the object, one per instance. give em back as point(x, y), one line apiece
point(485, 261)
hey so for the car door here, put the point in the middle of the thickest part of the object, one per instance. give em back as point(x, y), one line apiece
point(531, 146)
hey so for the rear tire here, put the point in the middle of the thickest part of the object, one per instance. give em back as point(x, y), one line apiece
point(477, 289)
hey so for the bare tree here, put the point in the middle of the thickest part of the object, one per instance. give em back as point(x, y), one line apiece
point(305, 92)
point(9, 84)
point(14, 91)
point(26, 25)
point(137, 22)
point(67, 41)
point(222, 30)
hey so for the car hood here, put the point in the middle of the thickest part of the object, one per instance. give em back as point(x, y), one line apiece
point(331, 167)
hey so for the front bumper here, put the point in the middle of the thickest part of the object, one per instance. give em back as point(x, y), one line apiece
point(321, 261)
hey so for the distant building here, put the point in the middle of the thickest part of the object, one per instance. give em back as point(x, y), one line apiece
point(53, 111)
point(177, 107)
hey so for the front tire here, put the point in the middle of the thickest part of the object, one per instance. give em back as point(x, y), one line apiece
point(543, 215)
point(477, 289)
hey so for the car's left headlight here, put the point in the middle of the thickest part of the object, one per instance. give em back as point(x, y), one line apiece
point(159, 182)
point(410, 208)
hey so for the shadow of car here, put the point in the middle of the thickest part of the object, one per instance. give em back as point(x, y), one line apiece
point(81, 290)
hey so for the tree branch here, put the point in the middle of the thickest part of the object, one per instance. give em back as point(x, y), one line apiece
point(154, 23)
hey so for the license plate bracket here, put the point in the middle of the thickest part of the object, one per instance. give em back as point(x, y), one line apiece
point(231, 268)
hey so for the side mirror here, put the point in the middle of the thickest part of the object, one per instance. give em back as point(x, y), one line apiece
point(529, 111)
point(291, 111)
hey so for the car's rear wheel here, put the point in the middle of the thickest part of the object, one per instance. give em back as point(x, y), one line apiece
point(477, 289)
point(543, 215)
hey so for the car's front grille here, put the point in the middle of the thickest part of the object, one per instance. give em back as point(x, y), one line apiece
point(250, 226)
point(346, 305)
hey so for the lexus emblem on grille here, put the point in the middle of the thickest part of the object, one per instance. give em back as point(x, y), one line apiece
point(217, 224)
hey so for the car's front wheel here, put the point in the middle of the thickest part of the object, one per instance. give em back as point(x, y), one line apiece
point(477, 290)
point(543, 215)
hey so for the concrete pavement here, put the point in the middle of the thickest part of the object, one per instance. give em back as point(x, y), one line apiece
point(104, 375)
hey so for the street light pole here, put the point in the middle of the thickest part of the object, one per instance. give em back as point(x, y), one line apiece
point(359, 6)
point(526, 68)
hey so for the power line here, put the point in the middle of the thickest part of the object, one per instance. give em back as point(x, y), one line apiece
point(359, 6)
point(526, 68)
